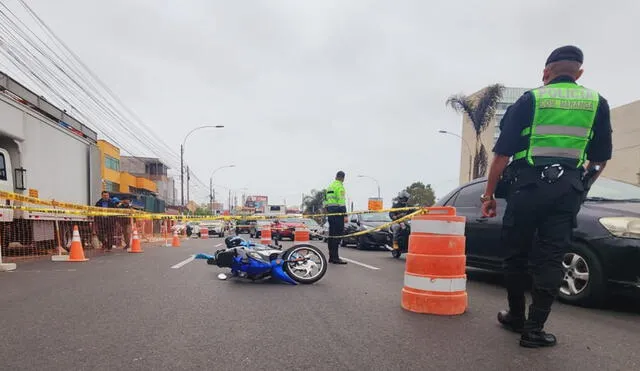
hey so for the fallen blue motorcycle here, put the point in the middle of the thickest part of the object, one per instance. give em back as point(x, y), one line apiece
point(299, 264)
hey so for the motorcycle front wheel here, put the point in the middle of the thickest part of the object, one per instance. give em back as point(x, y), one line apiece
point(308, 271)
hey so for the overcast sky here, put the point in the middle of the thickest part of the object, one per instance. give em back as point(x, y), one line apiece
point(306, 88)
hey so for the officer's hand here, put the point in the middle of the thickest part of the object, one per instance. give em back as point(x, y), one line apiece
point(489, 208)
point(346, 219)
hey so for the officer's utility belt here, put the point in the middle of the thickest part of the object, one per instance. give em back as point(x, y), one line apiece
point(335, 209)
point(552, 173)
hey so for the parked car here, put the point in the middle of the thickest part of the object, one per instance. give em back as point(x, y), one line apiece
point(285, 228)
point(256, 227)
point(604, 256)
point(243, 226)
point(214, 227)
point(362, 222)
point(314, 228)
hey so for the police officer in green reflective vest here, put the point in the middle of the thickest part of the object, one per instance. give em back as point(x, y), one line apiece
point(335, 202)
point(555, 133)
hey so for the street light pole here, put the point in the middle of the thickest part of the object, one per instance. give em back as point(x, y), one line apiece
point(212, 196)
point(466, 143)
point(182, 158)
point(374, 179)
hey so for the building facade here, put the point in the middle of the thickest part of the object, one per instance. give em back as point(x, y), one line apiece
point(154, 169)
point(625, 162)
point(120, 182)
point(625, 122)
point(489, 136)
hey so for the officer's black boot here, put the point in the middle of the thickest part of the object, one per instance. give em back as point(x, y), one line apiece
point(513, 319)
point(333, 253)
point(336, 256)
point(532, 334)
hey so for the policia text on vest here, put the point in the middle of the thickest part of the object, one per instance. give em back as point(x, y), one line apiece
point(335, 202)
point(551, 132)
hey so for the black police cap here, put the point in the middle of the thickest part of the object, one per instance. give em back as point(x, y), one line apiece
point(566, 53)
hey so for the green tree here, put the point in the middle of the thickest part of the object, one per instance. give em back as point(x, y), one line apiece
point(480, 109)
point(312, 203)
point(420, 194)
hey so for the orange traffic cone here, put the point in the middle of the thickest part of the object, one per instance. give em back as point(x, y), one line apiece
point(135, 244)
point(176, 239)
point(76, 252)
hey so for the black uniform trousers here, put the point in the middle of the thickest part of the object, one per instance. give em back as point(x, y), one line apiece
point(537, 228)
point(336, 228)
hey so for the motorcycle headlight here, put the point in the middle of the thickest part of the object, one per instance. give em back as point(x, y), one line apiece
point(627, 227)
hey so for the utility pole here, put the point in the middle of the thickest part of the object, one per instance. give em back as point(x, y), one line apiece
point(211, 194)
point(182, 175)
point(188, 178)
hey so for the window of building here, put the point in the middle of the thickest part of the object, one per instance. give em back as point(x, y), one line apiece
point(111, 163)
point(3, 168)
point(155, 169)
point(111, 186)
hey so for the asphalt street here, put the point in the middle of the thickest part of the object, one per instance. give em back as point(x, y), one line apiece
point(160, 311)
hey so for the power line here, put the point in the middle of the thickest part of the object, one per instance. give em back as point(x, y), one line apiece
point(38, 72)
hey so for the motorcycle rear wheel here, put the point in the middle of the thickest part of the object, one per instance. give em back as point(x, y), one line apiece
point(289, 267)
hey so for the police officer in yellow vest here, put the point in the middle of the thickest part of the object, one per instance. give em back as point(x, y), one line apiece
point(555, 133)
point(335, 202)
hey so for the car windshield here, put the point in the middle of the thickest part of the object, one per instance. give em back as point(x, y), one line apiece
point(310, 222)
point(293, 220)
point(376, 217)
point(609, 189)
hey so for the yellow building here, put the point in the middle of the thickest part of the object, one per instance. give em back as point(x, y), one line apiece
point(109, 166)
point(114, 180)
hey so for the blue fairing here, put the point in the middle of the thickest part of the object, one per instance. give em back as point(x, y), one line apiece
point(278, 272)
point(252, 268)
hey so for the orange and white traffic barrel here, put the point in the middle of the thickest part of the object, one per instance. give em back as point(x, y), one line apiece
point(265, 235)
point(435, 276)
point(301, 235)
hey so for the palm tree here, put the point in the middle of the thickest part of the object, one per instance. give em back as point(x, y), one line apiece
point(313, 204)
point(480, 109)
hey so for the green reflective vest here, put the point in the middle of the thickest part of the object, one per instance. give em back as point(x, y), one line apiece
point(335, 194)
point(562, 124)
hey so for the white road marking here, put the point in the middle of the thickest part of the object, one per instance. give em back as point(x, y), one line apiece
point(184, 262)
point(360, 264)
point(218, 245)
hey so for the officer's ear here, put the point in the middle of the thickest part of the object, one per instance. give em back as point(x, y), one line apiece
point(579, 74)
point(546, 73)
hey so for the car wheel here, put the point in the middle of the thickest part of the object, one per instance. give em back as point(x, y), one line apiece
point(361, 245)
point(343, 243)
point(583, 282)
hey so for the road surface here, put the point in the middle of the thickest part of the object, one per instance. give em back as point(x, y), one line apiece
point(160, 310)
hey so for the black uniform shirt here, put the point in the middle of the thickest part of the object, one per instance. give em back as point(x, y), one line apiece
point(520, 115)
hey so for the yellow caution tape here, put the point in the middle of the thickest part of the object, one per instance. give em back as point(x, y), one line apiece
point(380, 227)
point(76, 209)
